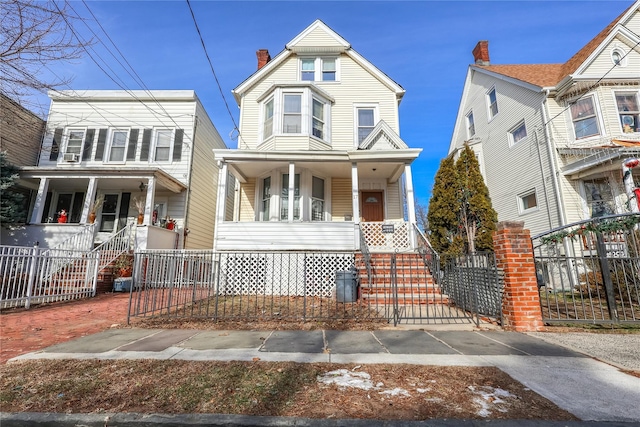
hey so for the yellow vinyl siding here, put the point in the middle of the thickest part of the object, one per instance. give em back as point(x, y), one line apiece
point(247, 200)
point(394, 204)
point(317, 37)
point(340, 199)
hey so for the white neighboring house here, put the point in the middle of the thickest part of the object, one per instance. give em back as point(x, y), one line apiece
point(321, 113)
point(154, 147)
point(552, 139)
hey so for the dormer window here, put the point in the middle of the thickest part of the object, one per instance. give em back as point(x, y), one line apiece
point(320, 69)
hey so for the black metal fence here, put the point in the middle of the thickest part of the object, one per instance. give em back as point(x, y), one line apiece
point(473, 283)
point(589, 271)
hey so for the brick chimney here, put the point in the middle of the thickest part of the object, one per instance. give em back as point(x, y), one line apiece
point(481, 53)
point(263, 57)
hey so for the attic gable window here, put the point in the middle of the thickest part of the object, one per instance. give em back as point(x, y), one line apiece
point(584, 118)
point(319, 69)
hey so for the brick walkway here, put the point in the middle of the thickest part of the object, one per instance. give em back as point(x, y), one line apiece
point(23, 331)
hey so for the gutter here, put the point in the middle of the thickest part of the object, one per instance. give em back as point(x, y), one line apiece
point(552, 162)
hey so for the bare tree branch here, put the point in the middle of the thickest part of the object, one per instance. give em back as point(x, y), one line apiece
point(34, 35)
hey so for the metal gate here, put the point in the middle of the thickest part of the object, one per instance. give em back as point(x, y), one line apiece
point(589, 271)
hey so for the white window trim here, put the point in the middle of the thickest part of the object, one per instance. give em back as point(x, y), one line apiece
point(152, 157)
point(510, 133)
point(601, 127)
point(521, 196)
point(112, 131)
point(491, 116)
point(68, 137)
point(620, 51)
point(467, 122)
point(306, 126)
point(317, 70)
point(376, 118)
point(615, 103)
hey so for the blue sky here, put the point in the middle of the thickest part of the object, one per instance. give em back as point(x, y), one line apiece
point(425, 46)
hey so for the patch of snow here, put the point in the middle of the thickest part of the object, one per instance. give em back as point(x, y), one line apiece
point(422, 390)
point(345, 378)
point(396, 392)
point(490, 398)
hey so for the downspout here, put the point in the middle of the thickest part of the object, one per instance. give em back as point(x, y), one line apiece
point(552, 163)
point(185, 228)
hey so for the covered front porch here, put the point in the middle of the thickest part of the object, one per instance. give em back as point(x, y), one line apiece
point(336, 201)
point(66, 203)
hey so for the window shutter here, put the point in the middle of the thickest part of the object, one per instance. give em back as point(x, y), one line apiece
point(133, 144)
point(177, 145)
point(88, 144)
point(55, 145)
point(102, 137)
point(146, 140)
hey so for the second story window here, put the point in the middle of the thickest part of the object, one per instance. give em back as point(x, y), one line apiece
point(629, 111)
point(471, 127)
point(292, 118)
point(318, 119)
point(584, 118)
point(118, 145)
point(308, 69)
point(74, 143)
point(268, 119)
point(518, 133)
point(163, 145)
point(492, 101)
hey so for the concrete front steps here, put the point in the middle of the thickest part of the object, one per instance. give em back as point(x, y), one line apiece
point(415, 283)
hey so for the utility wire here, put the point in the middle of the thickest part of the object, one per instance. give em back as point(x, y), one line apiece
point(204, 47)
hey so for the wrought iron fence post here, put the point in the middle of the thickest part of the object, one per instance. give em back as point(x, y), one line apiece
point(606, 276)
point(474, 285)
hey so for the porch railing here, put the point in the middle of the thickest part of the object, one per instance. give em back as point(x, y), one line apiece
point(117, 244)
point(34, 275)
point(589, 271)
point(79, 241)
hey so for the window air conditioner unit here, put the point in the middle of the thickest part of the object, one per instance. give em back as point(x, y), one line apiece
point(70, 157)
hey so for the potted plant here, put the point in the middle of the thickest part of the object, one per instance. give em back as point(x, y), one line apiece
point(94, 209)
point(139, 203)
point(123, 266)
point(171, 223)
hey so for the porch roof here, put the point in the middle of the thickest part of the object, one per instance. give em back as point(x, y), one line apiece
point(387, 164)
point(163, 180)
point(601, 160)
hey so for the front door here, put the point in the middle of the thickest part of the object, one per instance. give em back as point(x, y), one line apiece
point(372, 206)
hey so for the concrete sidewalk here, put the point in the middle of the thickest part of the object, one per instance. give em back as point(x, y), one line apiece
point(590, 389)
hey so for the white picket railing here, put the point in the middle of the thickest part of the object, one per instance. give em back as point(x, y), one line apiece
point(117, 244)
point(34, 275)
point(82, 241)
point(387, 236)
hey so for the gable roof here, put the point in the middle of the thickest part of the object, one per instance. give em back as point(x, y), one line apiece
point(336, 45)
point(546, 75)
point(383, 135)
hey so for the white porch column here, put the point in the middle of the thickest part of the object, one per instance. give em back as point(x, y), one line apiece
point(292, 189)
point(627, 178)
point(41, 197)
point(149, 201)
point(411, 205)
point(221, 203)
point(88, 200)
point(355, 204)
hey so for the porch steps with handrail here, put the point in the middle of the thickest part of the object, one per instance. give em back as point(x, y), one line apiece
point(414, 282)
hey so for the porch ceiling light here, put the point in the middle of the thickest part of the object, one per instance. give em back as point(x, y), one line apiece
point(142, 186)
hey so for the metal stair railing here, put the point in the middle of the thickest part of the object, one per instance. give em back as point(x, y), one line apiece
point(78, 242)
point(429, 255)
point(366, 254)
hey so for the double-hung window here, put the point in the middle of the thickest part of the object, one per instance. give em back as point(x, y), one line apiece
point(118, 145)
point(292, 117)
point(74, 143)
point(268, 119)
point(317, 199)
point(584, 118)
point(163, 145)
point(366, 122)
point(629, 111)
point(492, 101)
point(319, 69)
point(284, 198)
point(318, 119)
point(471, 127)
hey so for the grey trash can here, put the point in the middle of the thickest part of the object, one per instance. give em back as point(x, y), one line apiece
point(122, 284)
point(346, 286)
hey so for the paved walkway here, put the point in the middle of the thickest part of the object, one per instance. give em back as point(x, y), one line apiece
point(588, 388)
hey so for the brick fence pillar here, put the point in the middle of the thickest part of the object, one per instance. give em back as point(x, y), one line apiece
point(514, 255)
